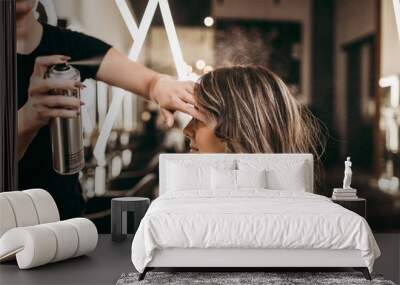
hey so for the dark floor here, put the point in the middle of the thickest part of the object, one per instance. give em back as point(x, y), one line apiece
point(103, 266)
point(110, 259)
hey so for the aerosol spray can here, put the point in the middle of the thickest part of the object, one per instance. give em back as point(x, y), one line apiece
point(66, 133)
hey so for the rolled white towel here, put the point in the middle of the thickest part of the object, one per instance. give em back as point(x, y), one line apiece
point(7, 218)
point(26, 208)
point(87, 235)
point(40, 244)
point(32, 246)
point(45, 205)
point(23, 208)
point(66, 238)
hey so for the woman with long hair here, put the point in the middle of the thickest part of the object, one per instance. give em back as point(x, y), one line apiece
point(249, 109)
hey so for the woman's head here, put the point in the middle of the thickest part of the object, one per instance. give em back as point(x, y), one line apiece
point(250, 110)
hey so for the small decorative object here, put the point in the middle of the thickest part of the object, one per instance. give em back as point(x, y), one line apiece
point(347, 174)
point(347, 192)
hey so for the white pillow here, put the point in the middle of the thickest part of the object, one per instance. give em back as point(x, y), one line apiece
point(293, 179)
point(282, 174)
point(251, 178)
point(235, 179)
point(182, 177)
point(223, 179)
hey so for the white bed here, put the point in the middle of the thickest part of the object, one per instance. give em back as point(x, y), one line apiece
point(282, 224)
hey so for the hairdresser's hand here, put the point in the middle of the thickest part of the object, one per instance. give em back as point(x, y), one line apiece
point(173, 95)
point(40, 106)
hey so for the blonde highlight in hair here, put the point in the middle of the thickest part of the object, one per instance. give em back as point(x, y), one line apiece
point(255, 112)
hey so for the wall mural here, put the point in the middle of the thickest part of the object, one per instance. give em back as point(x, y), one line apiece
point(139, 33)
point(275, 45)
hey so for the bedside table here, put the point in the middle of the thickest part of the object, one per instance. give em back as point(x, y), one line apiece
point(358, 206)
point(119, 209)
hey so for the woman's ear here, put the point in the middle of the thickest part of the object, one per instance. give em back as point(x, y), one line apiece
point(210, 122)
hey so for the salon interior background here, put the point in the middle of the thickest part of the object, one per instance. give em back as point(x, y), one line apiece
point(332, 53)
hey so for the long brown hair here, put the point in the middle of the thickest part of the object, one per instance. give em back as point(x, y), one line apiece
point(255, 112)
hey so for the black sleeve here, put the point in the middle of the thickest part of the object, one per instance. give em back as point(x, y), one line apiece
point(80, 47)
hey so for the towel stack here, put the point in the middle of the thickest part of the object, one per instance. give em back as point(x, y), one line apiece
point(344, 194)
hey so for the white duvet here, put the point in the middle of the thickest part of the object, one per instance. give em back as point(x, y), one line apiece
point(250, 219)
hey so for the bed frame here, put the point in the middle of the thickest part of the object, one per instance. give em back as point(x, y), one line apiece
point(243, 259)
point(246, 258)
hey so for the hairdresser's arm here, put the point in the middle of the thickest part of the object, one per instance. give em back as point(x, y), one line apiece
point(172, 95)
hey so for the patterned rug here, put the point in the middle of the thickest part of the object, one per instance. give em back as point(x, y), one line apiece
point(244, 278)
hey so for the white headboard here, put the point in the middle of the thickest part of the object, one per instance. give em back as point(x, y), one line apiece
point(213, 159)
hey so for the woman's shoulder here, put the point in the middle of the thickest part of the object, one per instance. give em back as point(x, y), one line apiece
point(58, 32)
point(74, 39)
